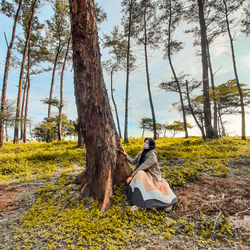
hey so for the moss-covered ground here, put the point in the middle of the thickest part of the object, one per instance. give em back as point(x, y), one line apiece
point(40, 209)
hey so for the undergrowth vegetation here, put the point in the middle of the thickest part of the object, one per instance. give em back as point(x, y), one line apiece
point(58, 220)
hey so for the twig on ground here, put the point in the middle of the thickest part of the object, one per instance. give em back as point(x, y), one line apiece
point(215, 221)
point(242, 212)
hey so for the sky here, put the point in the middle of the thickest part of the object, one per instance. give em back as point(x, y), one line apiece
point(185, 61)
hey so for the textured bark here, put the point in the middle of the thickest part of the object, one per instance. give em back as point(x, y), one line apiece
point(6, 72)
point(128, 71)
point(105, 166)
point(147, 74)
point(27, 100)
point(22, 110)
point(206, 100)
point(113, 100)
point(61, 93)
point(243, 122)
point(17, 120)
point(173, 70)
point(213, 90)
point(193, 114)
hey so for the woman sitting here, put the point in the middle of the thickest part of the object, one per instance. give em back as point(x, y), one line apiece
point(146, 187)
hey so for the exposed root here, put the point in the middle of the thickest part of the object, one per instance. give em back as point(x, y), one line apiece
point(108, 192)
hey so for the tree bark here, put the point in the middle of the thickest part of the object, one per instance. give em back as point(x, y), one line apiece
point(193, 114)
point(213, 90)
point(105, 166)
point(6, 72)
point(147, 74)
point(22, 110)
point(206, 100)
point(128, 71)
point(113, 100)
point(80, 137)
point(61, 93)
point(27, 99)
point(243, 122)
point(21, 74)
point(173, 70)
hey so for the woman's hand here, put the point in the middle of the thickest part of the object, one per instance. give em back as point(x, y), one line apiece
point(129, 179)
point(122, 150)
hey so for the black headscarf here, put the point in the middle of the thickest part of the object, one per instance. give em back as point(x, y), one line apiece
point(145, 151)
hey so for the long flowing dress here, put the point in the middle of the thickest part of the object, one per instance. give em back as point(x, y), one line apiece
point(148, 189)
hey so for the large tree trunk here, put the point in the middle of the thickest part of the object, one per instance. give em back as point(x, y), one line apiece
point(6, 72)
point(206, 100)
point(147, 74)
point(128, 71)
point(243, 122)
point(80, 136)
point(17, 120)
point(113, 100)
point(192, 112)
point(61, 93)
point(53, 79)
point(27, 99)
point(22, 110)
point(213, 90)
point(105, 166)
point(173, 70)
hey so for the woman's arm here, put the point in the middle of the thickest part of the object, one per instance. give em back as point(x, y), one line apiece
point(150, 161)
point(133, 161)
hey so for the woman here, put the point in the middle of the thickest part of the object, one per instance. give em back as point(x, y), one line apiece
point(146, 187)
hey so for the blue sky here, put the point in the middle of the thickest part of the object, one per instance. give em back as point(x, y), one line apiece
point(185, 61)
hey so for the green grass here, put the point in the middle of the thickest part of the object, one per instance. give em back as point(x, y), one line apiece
point(58, 220)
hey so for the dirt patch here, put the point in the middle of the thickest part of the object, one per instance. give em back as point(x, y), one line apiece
point(9, 194)
point(211, 195)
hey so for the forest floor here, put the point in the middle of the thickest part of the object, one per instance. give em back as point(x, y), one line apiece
point(39, 205)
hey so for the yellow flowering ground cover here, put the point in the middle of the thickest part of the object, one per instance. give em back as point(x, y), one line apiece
point(50, 216)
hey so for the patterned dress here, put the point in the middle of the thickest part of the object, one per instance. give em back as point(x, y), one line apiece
point(148, 189)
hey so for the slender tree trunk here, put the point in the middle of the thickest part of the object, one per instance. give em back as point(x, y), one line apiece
point(21, 75)
point(61, 93)
point(53, 79)
point(222, 127)
point(128, 71)
point(243, 122)
point(22, 110)
point(193, 114)
point(6, 72)
point(105, 166)
point(27, 99)
point(206, 100)
point(142, 133)
point(113, 100)
point(213, 90)
point(173, 70)
point(6, 131)
point(147, 74)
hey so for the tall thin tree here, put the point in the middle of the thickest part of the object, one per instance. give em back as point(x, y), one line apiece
point(30, 19)
point(128, 22)
point(61, 92)
point(206, 100)
point(6, 71)
point(235, 5)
